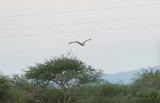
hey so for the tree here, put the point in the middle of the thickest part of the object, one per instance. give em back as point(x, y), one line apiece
point(146, 86)
point(66, 72)
point(4, 85)
point(148, 79)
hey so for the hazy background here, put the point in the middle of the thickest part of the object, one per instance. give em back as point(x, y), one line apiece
point(125, 33)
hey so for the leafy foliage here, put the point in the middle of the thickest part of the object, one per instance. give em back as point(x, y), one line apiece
point(4, 85)
point(148, 79)
point(64, 72)
point(66, 79)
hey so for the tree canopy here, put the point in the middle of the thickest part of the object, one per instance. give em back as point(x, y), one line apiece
point(4, 85)
point(63, 71)
point(148, 79)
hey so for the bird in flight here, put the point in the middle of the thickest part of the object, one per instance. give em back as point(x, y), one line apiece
point(82, 44)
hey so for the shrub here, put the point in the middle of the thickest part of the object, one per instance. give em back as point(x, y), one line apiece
point(4, 86)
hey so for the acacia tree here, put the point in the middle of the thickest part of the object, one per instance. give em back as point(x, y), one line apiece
point(66, 72)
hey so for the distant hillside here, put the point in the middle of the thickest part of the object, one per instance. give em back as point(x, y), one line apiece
point(124, 77)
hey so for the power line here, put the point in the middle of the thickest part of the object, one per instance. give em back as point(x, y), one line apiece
point(85, 10)
point(79, 23)
point(129, 27)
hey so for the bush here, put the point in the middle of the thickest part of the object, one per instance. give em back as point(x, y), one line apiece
point(18, 96)
point(4, 86)
point(147, 79)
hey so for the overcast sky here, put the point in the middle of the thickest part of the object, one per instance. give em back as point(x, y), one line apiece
point(125, 33)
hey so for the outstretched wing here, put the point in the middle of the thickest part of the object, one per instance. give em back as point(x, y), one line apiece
point(73, 42)
point(86, 40)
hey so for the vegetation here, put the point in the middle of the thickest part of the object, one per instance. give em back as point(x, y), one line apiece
point(4, 85)
point(66, 79)
point(65, 73)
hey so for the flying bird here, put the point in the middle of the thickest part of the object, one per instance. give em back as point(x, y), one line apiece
point(82, 44)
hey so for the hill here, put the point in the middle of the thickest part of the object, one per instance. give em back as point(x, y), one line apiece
point(125, 77)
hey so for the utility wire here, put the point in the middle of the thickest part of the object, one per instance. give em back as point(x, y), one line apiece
point(80, 23)
point(85, 10)
point(127, 27)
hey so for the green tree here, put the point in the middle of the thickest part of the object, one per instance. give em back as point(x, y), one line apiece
point(4, 85)
point(146, 86)
point(147, 79)
point(24, 90)
point(66, 72)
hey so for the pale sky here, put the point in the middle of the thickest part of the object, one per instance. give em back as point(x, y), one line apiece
point(125, 33)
